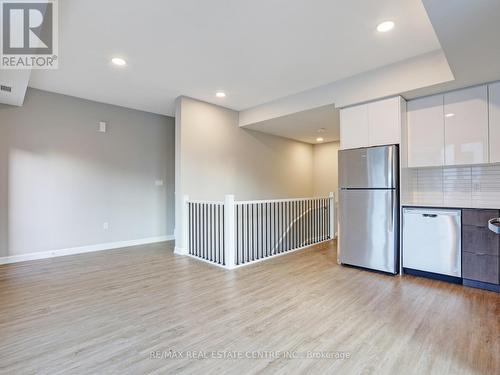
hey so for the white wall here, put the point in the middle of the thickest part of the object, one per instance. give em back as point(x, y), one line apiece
point(60, 179)
point(217, 157)
point(214, 157)
point(325, 169)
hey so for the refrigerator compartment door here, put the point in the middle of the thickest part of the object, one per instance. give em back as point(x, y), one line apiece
point(369, 168)
point(432, 241)
point(368, 235)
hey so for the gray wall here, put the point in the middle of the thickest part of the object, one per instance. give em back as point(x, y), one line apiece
point(61, 179)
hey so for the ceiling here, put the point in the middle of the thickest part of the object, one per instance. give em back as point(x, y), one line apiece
point(256, 51)
point(469, 40)
point(470, 53)
point(304, 126)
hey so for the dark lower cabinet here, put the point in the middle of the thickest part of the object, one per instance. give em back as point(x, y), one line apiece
point(480, 250)
point(480, 267)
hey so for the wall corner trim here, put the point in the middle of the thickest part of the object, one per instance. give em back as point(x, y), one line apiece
point(83, 249)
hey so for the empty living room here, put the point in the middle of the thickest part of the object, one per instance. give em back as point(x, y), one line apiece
point(250, 187)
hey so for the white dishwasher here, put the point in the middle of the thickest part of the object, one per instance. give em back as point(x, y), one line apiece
point(432, 240)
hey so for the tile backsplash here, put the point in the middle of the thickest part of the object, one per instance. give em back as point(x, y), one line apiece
point(473, 186)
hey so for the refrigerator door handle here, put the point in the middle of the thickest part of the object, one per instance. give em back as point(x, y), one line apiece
point(393, 205)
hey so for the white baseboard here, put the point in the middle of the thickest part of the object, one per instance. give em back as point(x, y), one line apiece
point(180, 251)
point(83, 249)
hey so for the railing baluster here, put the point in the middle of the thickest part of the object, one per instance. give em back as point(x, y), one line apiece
point(206, 231)
point(200, 233)
point(200, 229)
point(213, 229)
point(237, 235)
point(288, 227)
point(197, 228)
point(217, 242)
point(283, 229)
point(253, 233)
point(190, 222)
point(247, 255)
point(275, 245)
point(203, 233)
point(280, 226)
point(223, 236)
point(294, 224)
point(329, 218)
point(263, 228)
point(310, 222)
point(315, 220)
point(210, 230)
point(325, 217)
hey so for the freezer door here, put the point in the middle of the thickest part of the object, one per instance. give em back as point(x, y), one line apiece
point(369, 168)
point(368, 235)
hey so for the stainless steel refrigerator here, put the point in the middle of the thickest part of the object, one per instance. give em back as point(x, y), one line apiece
point(369, 208)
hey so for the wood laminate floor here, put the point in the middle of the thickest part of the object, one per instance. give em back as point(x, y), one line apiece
point(107, 312)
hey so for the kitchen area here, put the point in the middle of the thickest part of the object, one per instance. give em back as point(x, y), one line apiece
point(440, 155)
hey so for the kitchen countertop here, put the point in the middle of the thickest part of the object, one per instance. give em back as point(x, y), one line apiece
point(449, 207)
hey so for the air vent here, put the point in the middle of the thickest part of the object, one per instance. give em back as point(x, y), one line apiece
point(5, 88)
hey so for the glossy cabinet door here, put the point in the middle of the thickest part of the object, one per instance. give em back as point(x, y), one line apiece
point(384, 119)
point(494, 110)
point(354, 127)
point(426, 132)
point(466, 126)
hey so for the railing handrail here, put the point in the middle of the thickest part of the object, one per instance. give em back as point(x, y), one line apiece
point(282, 200)
point(224, 222)
point(204, 202)
point(259, 201)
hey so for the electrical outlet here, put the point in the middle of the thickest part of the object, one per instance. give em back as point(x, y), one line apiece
point(105, 226)
point(159, 183)
point(102, 126)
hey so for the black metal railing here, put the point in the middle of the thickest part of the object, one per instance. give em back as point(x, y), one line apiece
point(268, 228)
point(206, 231)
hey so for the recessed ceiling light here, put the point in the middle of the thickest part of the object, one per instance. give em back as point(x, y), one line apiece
point(220, 94)
point(449, 115)
point(118, 61)
point(319, 139)
point(385, 26)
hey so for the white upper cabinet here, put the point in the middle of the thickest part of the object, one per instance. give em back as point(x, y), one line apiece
point(373, 124)
point(466, 126)
point(426, 132)
point(494, 96)
point(354, 127)
point(384, 119)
